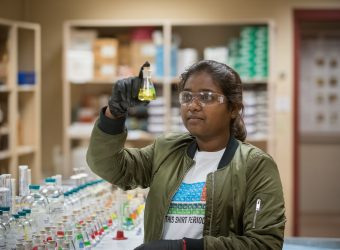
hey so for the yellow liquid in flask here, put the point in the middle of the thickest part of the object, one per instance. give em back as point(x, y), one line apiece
point(147, 92)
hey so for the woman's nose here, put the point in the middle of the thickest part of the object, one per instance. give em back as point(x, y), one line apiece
point(194, 104)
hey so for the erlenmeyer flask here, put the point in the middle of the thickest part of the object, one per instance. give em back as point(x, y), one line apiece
point(147, 92)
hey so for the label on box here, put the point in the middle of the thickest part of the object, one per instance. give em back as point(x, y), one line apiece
point(107, 69)
point(108, 51)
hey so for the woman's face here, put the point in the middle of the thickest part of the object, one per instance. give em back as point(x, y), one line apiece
point(211, 121)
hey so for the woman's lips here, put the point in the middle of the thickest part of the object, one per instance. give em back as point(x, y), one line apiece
point(194, 119)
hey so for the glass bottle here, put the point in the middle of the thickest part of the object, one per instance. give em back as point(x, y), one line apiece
point(15, 233)
point(38, 204)
point(5, 192)
point(28, 244)
point(5, 216)
point(55, 197)
point(2, 236)
point(27, 228)
point(78, 239)
point(51, 245)
point(147, 92)
point(20, 246)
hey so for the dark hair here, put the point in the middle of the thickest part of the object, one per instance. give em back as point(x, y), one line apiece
point(230, 83)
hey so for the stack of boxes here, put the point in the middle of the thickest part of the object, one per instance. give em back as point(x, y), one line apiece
point(249, 53)
point(185, 58)
point(261, 53)
point(219, 54)
point(80, 62)
point(233, 52)
point(256, 115)
point(156, 118)
point(105, 52)
point(176, 120)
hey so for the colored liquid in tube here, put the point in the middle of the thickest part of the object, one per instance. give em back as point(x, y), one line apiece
point(147, 92)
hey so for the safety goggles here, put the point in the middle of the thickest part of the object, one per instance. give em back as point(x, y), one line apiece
point(204, 98)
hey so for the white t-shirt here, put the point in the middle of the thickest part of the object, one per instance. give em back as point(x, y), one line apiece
point(185, 216)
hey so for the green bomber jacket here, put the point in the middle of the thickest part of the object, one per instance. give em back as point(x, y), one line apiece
point(244, 197)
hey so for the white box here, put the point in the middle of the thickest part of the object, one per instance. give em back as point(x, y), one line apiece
point(79, 66)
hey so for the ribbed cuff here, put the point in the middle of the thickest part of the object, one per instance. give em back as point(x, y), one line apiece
point(194, 244)
point(111, 126)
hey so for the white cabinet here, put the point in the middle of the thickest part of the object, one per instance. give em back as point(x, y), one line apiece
point(20, 97)
point(98, 52)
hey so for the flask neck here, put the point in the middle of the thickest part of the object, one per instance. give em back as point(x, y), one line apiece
point(147, 73)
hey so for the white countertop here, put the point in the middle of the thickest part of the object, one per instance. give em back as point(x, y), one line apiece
point(134, 239)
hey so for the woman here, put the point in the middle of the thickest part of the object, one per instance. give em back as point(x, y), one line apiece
point(208, 188)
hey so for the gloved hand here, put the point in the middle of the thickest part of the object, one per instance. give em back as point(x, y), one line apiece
point(125, 94)
point(162, 245)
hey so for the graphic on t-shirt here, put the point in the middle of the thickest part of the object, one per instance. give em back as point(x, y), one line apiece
point(188, 200)
point(186, 213)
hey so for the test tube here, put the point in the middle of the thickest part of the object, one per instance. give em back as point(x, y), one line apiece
point(13, 196)
point(5, 193)
point(29, 177)
point(23, 180)
point(120, 200)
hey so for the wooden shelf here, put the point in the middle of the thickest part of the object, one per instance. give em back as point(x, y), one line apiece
point(176, 80)
point(22, 102)
point(4, 130)
point(27, 88)
point(5, 154)
point(219, 33)
point(94, 82)
point(156, 80)
point(25, 150)
point(4, 88)
point(81, 131)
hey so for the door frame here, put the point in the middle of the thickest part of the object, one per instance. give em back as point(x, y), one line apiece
point(302, 15)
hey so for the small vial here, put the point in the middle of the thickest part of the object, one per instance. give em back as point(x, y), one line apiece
point(147, 92)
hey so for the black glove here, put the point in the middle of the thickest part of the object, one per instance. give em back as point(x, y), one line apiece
point(125, 94)
point(162, 245)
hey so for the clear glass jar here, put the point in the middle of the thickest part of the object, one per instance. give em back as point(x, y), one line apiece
point(38, 204)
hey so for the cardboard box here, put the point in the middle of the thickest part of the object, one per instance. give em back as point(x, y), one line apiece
point(105, 52)
point(80, 64)
point(105, 48)
point(105, 70)
point(82, 39)
point(124, 57)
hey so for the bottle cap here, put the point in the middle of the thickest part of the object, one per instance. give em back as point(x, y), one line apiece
point(34, 187)
point(119, 235)
point(50, 180)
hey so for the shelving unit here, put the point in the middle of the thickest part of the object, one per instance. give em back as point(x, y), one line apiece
point(20, 93)
point(197, 34)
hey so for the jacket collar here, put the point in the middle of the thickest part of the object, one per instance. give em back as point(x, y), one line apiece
point(227, 155)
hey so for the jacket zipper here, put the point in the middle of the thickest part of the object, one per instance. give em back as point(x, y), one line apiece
point(257, 209)
point(172, 195)
point(212, 203)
